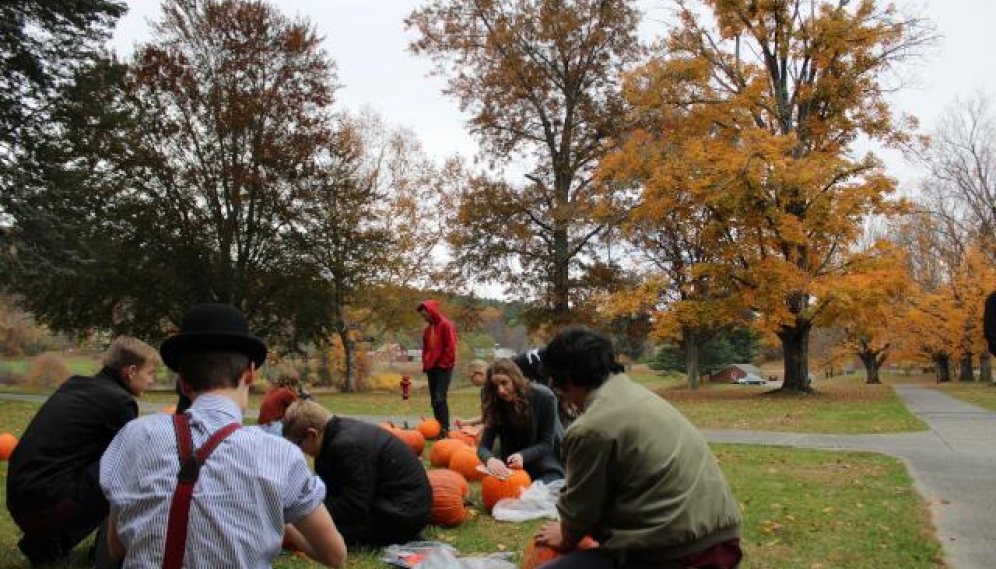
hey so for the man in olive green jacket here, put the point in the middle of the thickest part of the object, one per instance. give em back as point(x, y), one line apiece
point(641, 480)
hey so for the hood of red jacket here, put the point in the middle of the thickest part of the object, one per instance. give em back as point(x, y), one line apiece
point(432, 307)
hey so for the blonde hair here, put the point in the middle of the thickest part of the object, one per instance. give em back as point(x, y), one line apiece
point(126, 351)
point(477, 366)
point(304, 415)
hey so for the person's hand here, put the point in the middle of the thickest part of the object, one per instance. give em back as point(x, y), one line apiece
point(515, 461)
point(550, 535)
point(458, 422)
point(497, 468)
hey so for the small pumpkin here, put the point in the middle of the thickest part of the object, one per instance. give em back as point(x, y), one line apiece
point(430, 428)
point(465, 462)
point(7, 444)
point(413, 439)
point(448, 492)
point(469, 440)
point(494, 488)
point(536, 555)
point(442, 451)
point(171, 410)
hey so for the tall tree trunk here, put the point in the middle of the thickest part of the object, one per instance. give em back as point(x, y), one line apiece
point(561, 277)
point(965, 372)
point(691, 357)
point(341, 326)
point(872, 365)
point(985, 367)
point(327, 372)
point(795, 346)
point(942, 361)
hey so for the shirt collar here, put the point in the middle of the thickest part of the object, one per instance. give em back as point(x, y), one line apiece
point(212, 405)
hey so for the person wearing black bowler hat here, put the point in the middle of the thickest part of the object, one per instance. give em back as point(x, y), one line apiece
point(196, 490)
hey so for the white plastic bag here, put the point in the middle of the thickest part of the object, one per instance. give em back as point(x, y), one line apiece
point(537, 501)
point(436, 555)
point(446, 559)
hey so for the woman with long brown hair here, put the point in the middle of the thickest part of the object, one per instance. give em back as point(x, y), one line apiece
point(522, 417)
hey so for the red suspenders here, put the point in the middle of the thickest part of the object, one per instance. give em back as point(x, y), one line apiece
point(190, 466)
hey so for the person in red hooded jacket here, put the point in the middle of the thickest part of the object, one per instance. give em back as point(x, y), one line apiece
point(439, 341)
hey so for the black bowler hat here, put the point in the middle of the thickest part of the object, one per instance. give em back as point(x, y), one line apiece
point(212, 328)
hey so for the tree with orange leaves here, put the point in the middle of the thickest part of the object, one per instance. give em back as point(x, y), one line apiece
point(869, 305)
point(760, 104)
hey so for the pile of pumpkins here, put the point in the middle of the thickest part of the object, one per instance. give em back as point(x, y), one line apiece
point(456, 464)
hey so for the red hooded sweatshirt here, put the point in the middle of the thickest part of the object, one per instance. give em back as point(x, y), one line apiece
point(439, 339)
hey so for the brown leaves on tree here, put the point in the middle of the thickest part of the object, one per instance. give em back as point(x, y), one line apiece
point(540, 80)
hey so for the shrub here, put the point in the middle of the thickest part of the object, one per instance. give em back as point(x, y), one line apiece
point(47, 370)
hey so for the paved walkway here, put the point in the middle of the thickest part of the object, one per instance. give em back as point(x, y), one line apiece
point(953, 464)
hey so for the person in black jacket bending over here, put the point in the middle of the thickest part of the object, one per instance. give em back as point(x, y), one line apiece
point(378, 492)
point(53, 489)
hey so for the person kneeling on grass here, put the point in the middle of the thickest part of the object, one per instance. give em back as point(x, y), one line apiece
point(53, 491)
point(379, 493)
point(641, 479)
point(478, 370)
point(522, 417)
point(276, 401)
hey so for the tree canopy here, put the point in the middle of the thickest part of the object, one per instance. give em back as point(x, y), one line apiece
point(762, 103)
point(540, 79)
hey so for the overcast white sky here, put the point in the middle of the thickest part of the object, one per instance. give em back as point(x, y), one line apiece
point(369, 44)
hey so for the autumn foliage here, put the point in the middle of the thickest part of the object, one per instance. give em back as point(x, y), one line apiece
point(744, 122)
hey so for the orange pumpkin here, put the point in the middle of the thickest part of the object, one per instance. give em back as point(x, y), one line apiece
point(7, 444)
point(168, 410)
point(494, 488)
point(413, 439)
point(536, 555)
point(448, 492)
point(470, 440)
point(442, 451)
point(465, 462)
point(430, 428)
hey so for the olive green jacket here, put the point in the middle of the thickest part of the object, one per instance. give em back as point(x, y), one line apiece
point(641, 479)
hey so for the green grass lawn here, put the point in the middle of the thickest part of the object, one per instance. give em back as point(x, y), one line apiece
point(840, 405)
point(981, 394)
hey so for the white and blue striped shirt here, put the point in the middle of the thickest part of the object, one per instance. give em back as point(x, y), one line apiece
point(251, 485)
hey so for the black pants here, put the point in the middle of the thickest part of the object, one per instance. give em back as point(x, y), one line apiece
point(51, 531)
point(439, 387)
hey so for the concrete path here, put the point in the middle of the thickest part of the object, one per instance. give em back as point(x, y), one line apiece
point(953, 464)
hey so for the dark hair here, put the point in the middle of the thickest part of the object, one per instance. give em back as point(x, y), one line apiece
point(206, 371)
point(531, 364)
point(581, 355)
point(496, 411)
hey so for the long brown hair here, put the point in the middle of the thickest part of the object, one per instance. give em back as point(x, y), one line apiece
point(495, 410)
